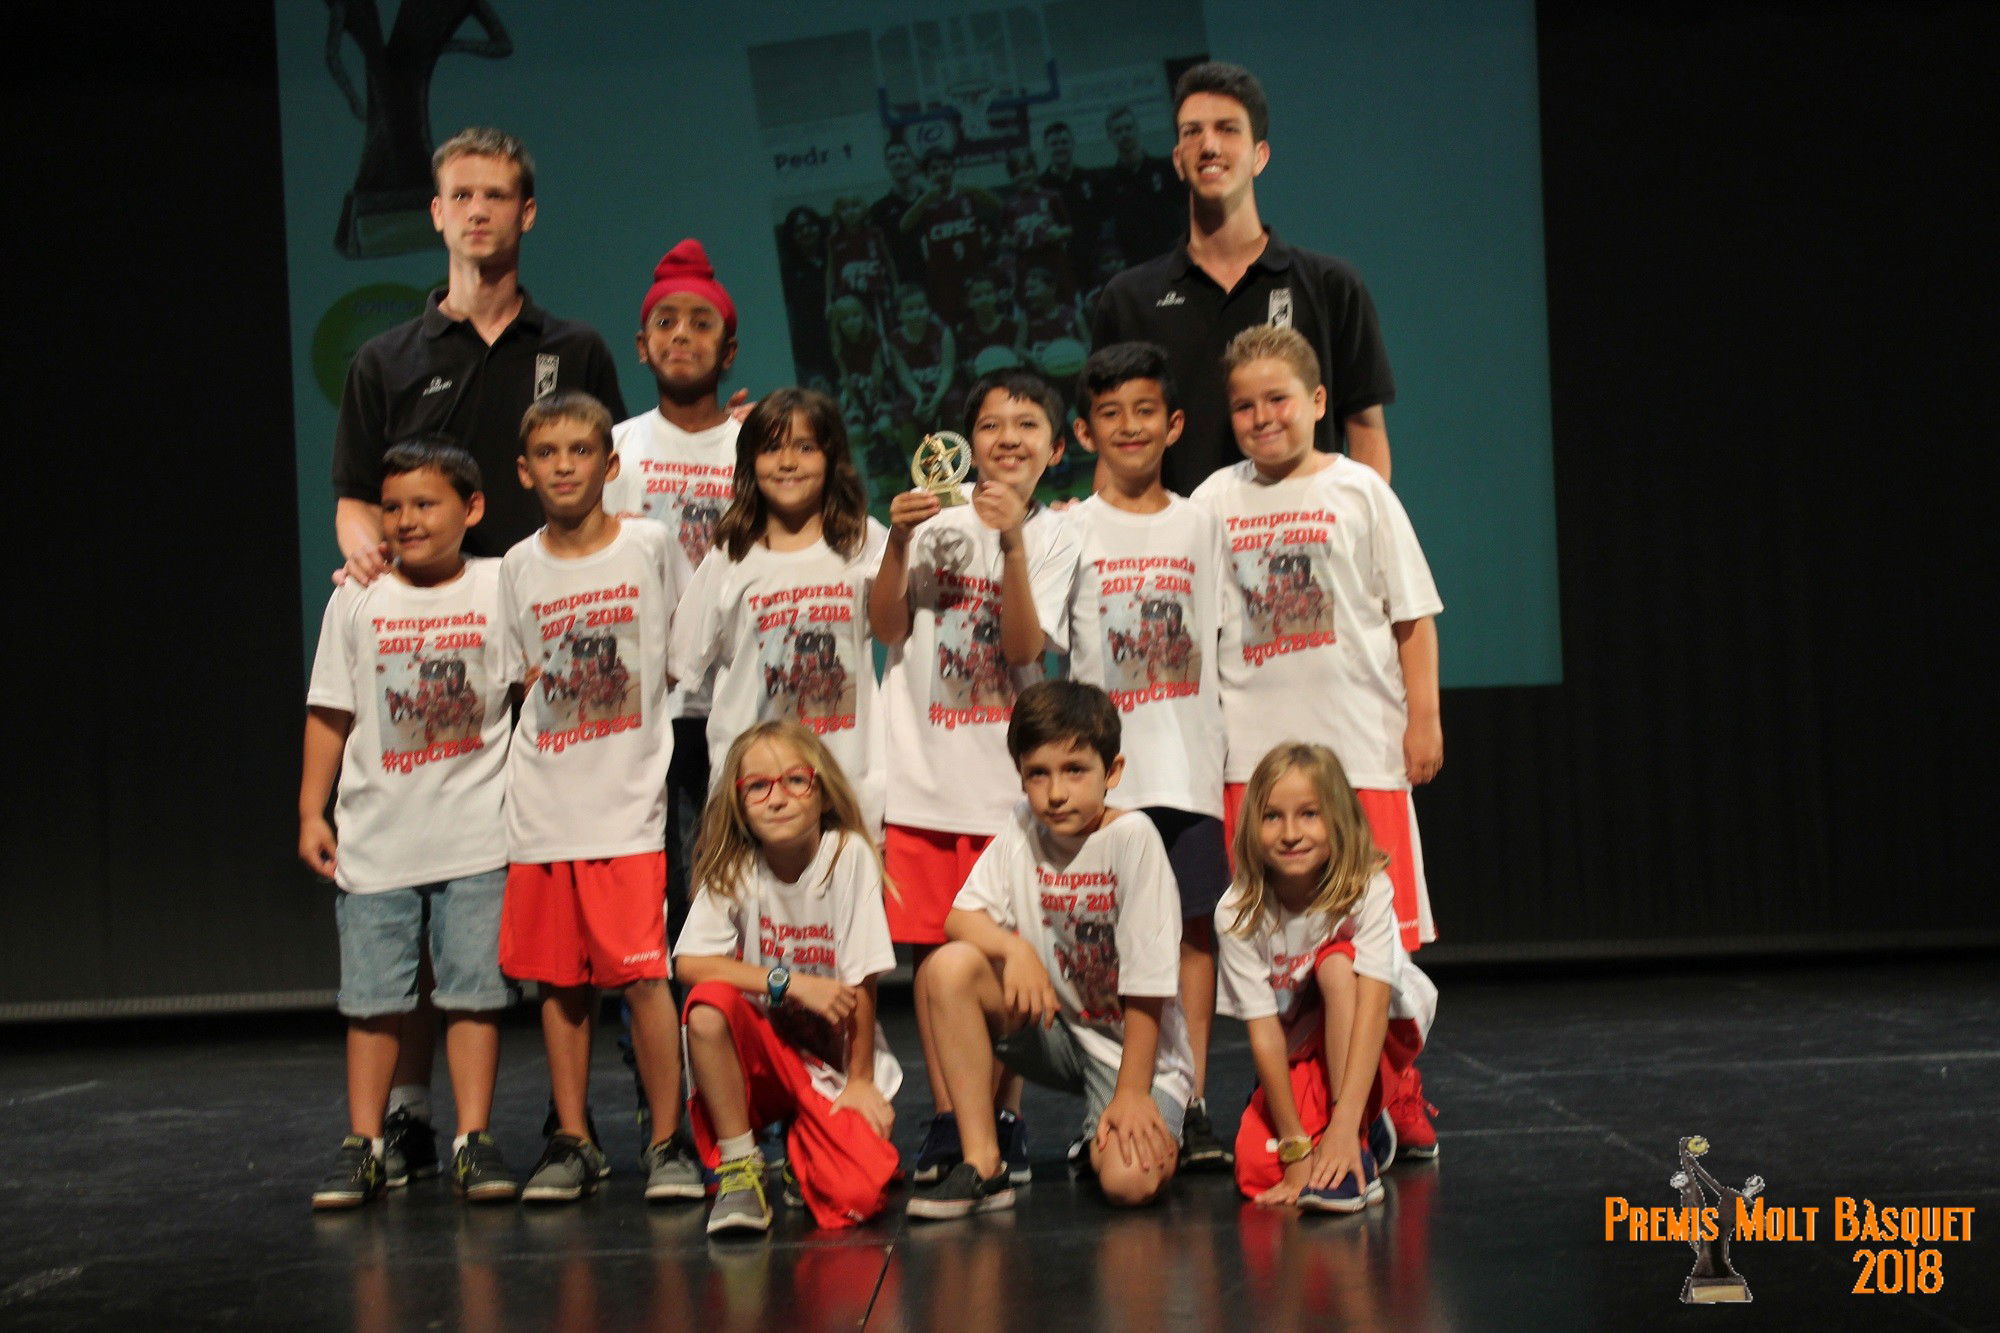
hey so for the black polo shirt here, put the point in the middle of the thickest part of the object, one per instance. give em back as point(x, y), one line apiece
point(1171, 301)
point(436, 375)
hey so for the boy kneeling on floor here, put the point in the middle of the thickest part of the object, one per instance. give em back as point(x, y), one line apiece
point(1063, 962)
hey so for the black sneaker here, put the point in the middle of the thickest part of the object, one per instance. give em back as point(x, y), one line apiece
point(1014, 1146)
point(1201, 1150)
point(409, 1148)
point(940, 1152)
point(357, 1177)
point(479, 1173)
point(963, 1193)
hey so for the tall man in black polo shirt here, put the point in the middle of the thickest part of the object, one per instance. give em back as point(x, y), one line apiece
point(470, 365)
point(1234, 273)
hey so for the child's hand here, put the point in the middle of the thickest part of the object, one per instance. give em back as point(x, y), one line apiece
point(1000, 507)
point(824, 996)
point(317, 845)
point(1286, 1191)
point(1334, 1157)
point(910, 508)
point(1025, 988)
point(1133, 1123)
point(866, 1100)
point(1423, 750)
point(739, 405)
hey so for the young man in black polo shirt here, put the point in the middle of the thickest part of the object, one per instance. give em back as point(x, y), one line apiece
point(1233, 274)
point(470, 365)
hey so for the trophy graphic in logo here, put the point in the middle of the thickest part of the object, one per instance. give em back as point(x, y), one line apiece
point(941, 462)
point(1712, 1281)
point(388, 212)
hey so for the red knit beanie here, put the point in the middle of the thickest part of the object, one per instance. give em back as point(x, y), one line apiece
point(685, 268)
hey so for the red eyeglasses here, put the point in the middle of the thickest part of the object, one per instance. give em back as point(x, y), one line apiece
point(798, 780)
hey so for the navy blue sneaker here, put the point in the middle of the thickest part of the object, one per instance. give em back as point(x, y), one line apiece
point(1014, 1147)
point(1349, 1194)
point(940, 1151)
point(1382, 1140)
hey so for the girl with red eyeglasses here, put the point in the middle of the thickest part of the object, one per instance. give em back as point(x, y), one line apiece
point(782, 947)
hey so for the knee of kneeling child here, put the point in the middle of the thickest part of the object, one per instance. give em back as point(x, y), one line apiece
point(705, 1022)
point(950, 965)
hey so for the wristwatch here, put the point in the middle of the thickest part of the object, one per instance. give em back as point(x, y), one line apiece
point(776, 984)
point(1295, 1149)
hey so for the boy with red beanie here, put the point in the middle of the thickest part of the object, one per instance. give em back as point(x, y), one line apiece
point(678, 464)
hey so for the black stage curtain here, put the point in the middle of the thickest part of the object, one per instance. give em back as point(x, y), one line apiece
point(1769, 301)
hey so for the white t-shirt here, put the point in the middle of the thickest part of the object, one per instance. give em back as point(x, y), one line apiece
point(587, 778)
point(786, 633)
point(1146, 621)
point(1103, 914)
point(827, 923)
point(948, 690)
point(683, 479)
point(1269, 972)
point(1324, 566)
point(424, 773)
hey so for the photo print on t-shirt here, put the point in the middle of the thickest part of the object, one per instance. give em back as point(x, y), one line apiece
point(1144, 607)
point(973, 683)
point(806, 651)
point(1080, 914)
point(689, 498)
point(590, 651)
point(1282, 566)
point(428, 709)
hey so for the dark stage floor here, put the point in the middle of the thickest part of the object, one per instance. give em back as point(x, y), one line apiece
point(157, 1177)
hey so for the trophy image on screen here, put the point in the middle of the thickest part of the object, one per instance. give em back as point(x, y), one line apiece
point(941, 462)
point(388, 210)
point(1712, 1281)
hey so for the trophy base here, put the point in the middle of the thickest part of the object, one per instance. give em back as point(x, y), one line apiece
point(954, 496)
point(1715, 1291)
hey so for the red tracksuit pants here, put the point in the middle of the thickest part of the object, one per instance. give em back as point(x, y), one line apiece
point(1257, 1165)
point(844, 1168)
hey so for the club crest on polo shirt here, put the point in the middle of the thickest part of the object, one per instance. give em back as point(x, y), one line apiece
point(1171, 298)
point(438, 384)
point(1280, 315)
point(545, 373)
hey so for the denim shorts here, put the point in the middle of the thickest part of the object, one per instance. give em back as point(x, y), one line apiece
point(382, 939)
point(1054, 1058)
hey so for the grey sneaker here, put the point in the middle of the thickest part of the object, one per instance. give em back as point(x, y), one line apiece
point(480, 1173)
point(356, 1178)
point(1201, 1150)
point(409, 1148)
point(570, 1168)
point(739, 1198)
point(672, 1169)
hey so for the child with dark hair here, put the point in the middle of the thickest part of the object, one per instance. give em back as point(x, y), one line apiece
point(779, 609)
point(1150, 624)
point(968, 600)
point(1064, 943)
point(408, 706)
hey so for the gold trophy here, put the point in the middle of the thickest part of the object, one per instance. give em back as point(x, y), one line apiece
point(941, 462)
